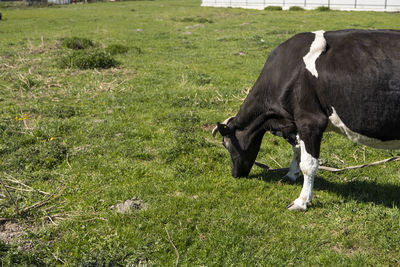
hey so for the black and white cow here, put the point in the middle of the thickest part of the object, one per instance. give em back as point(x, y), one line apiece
point(347, 81)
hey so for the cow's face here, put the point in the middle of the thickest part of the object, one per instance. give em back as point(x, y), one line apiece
point(243, 151)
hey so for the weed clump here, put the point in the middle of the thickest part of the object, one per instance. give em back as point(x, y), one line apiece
point(296, 8)
point(27, 83)
point(323, 8)
point(273, 8)
point(77, 43)
point(116, 49)
point(93, 59)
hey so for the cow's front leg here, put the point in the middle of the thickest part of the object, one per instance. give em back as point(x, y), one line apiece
point(308, 165)
point(310, 137)
point(294, 169)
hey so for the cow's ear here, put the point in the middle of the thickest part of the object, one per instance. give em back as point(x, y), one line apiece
point(223, 129)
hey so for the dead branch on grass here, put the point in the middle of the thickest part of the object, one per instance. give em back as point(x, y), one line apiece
point(38, 204)
point(30, 189)
point(10, 196)
point(359, 166)
point(331, 169)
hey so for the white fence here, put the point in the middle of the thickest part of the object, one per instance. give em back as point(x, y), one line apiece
point(59, 2)
point(361, 5)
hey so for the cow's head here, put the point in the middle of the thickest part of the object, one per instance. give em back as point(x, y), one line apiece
point(243, 145)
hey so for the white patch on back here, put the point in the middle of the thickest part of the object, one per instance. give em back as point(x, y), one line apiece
point(317, 47)
point(341, 128)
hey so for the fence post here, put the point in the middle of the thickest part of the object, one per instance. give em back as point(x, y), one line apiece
point(385, 4)
point(355, 3)
point(329, 3)
point(305, 3)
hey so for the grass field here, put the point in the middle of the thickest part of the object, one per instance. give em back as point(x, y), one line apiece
point(74, 142)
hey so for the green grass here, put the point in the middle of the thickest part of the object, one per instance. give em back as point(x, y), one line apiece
point(273, 8)
point(93, 138)
point(323, 8)
point(296, 8)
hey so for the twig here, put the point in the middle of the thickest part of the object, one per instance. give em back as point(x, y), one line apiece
point(331, 169)
point(51, 220)
point(12, 179)
point(69, 165)
point(38, 204)
point(337, 157)
point(20, 189)
point(57, 258)
point(355, 155)
point(359, 166)
point(11, 198)
point(176, 250)
point(275, 161)
point(220, 97)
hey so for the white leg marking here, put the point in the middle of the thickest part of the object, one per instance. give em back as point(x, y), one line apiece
point(308, 165)
point(317, 47)
point(340, 127)
point(294, 169)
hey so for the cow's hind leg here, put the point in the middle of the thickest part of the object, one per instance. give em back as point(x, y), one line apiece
point(294, 169)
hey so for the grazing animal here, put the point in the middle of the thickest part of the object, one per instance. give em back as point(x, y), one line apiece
point(346, 81)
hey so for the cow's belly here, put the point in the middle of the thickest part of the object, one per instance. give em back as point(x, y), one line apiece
point(337, 125)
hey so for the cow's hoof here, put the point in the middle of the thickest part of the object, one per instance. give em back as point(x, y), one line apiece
point(294, 206)
point(299, 205)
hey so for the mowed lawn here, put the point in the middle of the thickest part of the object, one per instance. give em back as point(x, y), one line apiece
point(74, 142)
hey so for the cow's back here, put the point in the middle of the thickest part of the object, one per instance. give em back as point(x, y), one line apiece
point(359, 77)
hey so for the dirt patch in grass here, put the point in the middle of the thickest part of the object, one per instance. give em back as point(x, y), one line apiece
point(347, 251)
point(207, 127)
point(130, 205)
point(13, 232)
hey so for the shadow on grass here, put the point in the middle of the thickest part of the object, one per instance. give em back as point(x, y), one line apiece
point(361, 191)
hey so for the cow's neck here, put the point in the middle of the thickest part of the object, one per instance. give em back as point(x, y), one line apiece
point(249, 122)
point(250, 113)
point(254, 118)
